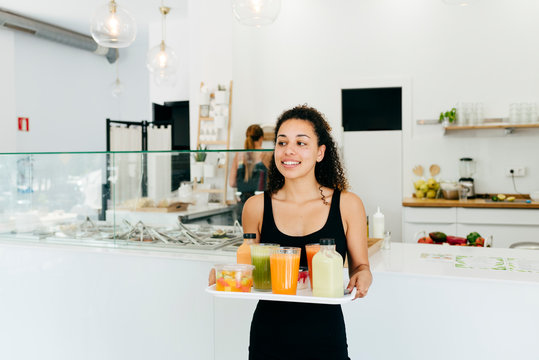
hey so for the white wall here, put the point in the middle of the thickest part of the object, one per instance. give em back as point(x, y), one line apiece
point(475, 53)
point(8, 121)
point(65, 92)
point(210, 54)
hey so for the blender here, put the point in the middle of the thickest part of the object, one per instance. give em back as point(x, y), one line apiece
point(466, 171)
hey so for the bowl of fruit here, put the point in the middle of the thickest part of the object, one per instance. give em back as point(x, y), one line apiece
point(233, 277)
point(427, 189)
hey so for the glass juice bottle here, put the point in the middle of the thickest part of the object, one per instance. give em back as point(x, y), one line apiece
point(328, 271)
point(243, 254)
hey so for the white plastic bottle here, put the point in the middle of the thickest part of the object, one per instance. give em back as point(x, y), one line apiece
point(378, 224)
point(328, 271)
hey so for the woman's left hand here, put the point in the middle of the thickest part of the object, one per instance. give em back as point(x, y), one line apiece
point(361, 280)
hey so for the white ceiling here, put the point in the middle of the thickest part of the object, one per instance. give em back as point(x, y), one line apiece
point(76, 14)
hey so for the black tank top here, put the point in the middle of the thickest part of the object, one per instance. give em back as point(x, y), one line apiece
point(321, 324)
point(333, 228)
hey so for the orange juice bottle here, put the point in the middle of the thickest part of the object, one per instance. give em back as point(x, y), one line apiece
point(328, 271)
point(243, 254)
point(310, 250)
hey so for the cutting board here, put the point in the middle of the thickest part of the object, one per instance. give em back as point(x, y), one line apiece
point(374, 245)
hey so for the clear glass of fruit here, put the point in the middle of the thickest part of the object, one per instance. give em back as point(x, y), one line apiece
point(234, 277)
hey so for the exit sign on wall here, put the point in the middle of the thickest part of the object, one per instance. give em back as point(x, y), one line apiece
point(24, 124)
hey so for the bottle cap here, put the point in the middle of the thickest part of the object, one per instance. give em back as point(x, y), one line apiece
point(249, 236)
point(328, 241)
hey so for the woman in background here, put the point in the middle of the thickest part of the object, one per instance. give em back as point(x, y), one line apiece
point(249, 170)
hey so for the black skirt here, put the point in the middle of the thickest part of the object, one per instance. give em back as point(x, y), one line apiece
point(286, 330)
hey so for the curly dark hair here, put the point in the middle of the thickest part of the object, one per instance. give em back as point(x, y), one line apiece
point(328, 172)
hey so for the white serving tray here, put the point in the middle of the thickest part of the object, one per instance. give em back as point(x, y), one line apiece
point(304, 296)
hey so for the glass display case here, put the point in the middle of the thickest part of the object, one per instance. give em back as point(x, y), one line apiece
point(162, 200)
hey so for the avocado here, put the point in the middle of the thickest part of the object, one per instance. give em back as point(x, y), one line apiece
point(438, 236)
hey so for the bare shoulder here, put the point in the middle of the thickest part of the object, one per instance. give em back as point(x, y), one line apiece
point(351, 203)
point(352, 212)
point(253, 211)
point(255, 203)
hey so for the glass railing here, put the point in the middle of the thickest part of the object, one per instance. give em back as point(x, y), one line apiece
point(163, 200)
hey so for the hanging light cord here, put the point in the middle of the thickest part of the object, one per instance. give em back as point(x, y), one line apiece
point(117, 65)
point(164, 11)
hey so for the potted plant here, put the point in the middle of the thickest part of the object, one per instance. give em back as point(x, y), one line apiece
point(197, 171)
point(448, 117)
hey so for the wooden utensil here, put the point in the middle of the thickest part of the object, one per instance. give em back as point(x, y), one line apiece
point(434, 170)
point(418, 170)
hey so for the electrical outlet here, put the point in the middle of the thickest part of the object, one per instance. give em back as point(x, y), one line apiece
point(516, 171)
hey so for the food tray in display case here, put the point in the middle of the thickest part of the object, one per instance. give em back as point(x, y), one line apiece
point(303, 295)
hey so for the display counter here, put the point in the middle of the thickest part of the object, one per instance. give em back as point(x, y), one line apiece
point(155, 199)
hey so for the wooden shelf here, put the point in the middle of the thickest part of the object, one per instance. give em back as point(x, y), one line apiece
point(509, 128)
point(225, 143)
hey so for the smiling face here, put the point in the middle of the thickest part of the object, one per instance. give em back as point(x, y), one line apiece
point(296, 149)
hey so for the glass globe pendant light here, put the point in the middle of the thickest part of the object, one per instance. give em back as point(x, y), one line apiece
point(161, 59)
point(113, 26)
point(256, 12)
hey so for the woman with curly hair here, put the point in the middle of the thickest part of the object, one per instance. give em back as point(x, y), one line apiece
point(306, 200)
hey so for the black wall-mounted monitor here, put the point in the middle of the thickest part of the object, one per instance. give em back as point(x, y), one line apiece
point(372, 109)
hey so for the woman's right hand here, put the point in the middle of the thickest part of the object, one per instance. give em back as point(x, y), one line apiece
point(211, 277)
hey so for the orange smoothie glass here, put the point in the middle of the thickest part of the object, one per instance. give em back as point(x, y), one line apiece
point(310, 250)
point(284, 263)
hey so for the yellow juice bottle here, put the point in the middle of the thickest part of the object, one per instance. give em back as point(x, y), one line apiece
point(243, 254)
point(328, 271)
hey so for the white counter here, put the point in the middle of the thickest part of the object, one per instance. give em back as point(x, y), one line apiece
point(76, 302)
point(458, 262)
point(62, 302)
point(421, 308)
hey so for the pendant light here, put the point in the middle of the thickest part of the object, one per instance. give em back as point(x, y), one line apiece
point(113, 27)
point(117, 87)
point(161, 59)
point(256, 12)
